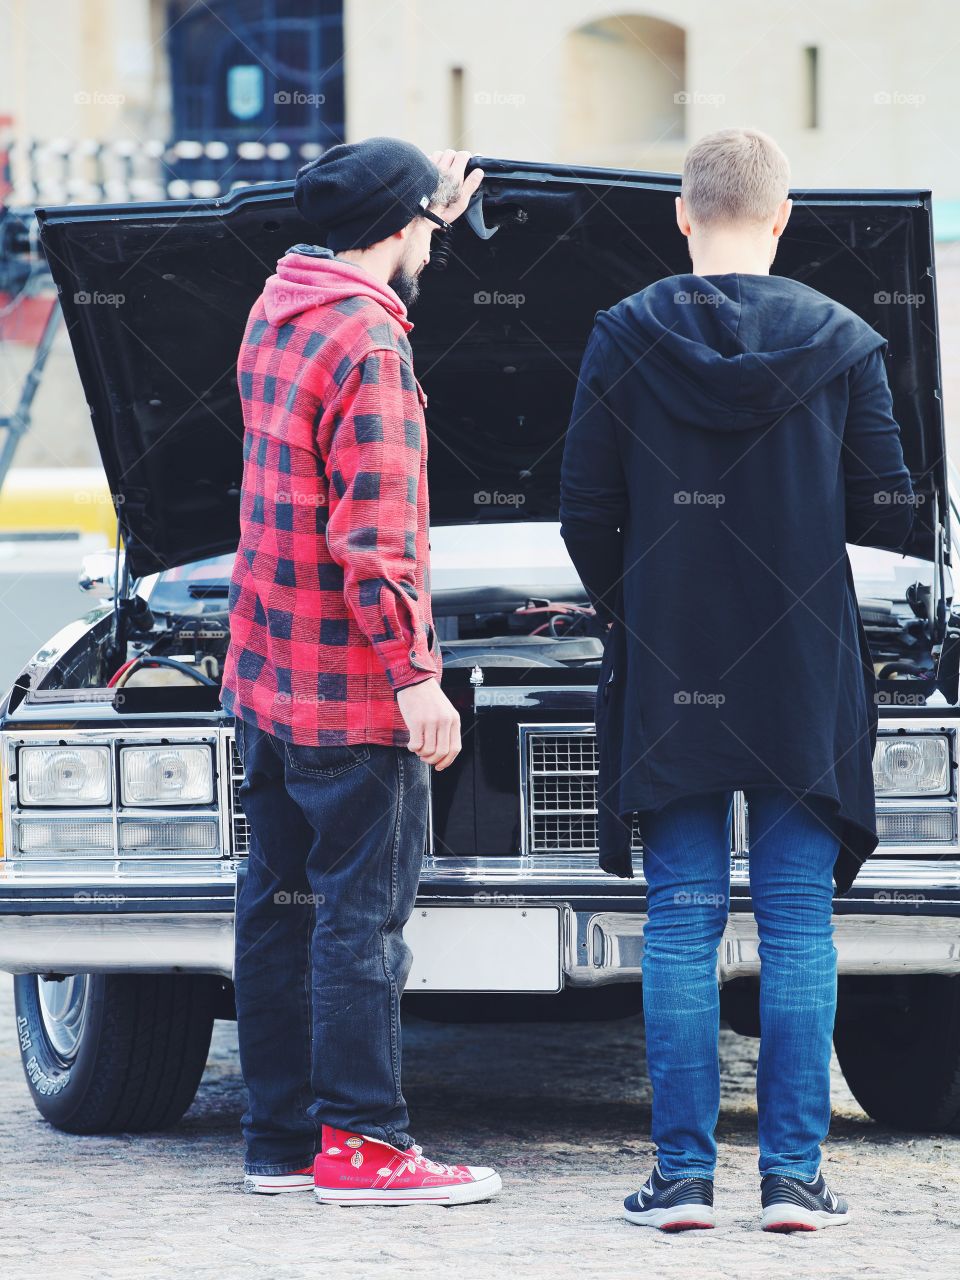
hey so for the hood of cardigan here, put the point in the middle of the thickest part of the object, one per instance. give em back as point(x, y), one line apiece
point(742, 349)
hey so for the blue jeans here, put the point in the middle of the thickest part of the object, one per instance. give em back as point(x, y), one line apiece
point(686, 862)
point(337, 836)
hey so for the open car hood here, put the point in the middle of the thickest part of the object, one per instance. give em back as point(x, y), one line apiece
point(156, 297)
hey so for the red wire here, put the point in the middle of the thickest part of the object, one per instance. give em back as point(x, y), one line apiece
point(119, 672)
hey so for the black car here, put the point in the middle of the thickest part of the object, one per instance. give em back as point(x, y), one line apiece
point(123, 837)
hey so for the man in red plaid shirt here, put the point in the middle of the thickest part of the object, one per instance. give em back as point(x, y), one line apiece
point(333, 678)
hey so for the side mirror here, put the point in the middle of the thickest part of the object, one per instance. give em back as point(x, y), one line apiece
point(97, 574)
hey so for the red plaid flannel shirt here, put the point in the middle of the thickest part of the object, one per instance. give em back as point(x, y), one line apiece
point(330, 595)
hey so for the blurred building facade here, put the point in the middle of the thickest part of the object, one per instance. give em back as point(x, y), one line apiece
point(153, 97)
point(143, 99)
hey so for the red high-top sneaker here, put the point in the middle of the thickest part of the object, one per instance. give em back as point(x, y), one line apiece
point(352, 1169)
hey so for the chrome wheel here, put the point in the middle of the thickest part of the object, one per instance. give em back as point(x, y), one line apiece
point(63, 1009)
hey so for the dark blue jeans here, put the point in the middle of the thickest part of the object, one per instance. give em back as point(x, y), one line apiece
point(793, 846)
point(337, 836)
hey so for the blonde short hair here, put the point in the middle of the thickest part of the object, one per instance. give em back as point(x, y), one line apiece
point(734, 175)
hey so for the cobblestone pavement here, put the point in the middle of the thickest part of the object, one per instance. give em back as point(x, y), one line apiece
point(561, 1110)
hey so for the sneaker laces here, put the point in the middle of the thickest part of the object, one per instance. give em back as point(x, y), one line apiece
point(420, 1161)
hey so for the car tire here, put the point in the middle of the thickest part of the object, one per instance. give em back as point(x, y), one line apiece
point(898, 1045)
point(114, 1053)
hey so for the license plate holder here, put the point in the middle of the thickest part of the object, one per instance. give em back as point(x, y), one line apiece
point(485, 949)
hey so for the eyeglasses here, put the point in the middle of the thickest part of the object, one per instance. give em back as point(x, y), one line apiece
point(428, 213)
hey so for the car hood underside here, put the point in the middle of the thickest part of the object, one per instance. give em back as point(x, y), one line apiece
point(156, 297)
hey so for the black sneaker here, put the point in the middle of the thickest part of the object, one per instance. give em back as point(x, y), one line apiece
point(672, 1204)
point(791, 1205)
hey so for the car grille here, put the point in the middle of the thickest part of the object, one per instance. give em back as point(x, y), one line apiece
point(559, 778)
point(561, 792)
point(239, 827)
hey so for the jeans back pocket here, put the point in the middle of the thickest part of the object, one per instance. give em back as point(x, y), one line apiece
point(325, 762)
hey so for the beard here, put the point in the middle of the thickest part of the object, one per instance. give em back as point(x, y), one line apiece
point(406, 286)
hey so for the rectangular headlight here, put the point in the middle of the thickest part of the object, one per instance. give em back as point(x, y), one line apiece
point(64, 775)
point(914, 764)
point(166, 775)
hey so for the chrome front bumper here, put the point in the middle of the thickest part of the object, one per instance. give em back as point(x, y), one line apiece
point(144, 942)
point(608, 946)
point(598, 947)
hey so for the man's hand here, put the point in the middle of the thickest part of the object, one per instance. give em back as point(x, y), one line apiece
point(451, 165)
point(433, 721)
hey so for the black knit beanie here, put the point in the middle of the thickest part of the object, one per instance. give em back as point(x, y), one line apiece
point(360, 192)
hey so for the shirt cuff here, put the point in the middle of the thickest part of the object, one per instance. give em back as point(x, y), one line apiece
point(420, 678)
point(408, 666)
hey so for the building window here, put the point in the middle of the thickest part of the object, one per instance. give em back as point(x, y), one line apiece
point(811, 87)
point(261, 72)
point(623, 87)
point(457, 124)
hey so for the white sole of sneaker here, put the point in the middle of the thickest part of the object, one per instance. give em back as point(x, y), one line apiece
point(681, 1217)
point(276, 1184)
point(460, 1193)
point(790, 1217)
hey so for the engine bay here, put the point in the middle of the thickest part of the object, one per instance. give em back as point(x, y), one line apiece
point(510, 630)
point(178, 637)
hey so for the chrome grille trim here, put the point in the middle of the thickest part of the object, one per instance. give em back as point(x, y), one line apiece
point(238, 826)
point(558, 793)
point(558, 790)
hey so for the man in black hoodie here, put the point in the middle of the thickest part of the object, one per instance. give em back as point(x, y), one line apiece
point(732, 431)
